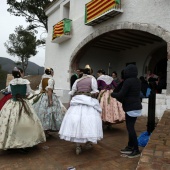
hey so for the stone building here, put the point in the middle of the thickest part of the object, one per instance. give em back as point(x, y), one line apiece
point(108, 34)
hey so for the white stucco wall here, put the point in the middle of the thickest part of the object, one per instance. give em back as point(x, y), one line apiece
point(154, 12)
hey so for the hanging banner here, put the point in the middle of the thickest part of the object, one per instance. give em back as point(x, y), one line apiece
point(58, 30)
point(95, 8)
point(67, 25)
point(61, 28)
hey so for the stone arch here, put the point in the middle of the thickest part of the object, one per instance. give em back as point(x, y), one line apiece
point(146, 27)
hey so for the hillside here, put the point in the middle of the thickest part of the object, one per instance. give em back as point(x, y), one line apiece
point(34, 83)
point(32, 69)
point(7, 65)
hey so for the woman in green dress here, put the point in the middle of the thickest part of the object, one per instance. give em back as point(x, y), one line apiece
point(20, 127)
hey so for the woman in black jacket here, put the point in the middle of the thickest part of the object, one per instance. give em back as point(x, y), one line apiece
point(130, 97)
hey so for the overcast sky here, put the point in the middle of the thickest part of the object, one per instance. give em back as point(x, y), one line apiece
point(7, 26)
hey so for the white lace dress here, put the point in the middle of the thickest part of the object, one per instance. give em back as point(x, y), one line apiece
point(82, 122)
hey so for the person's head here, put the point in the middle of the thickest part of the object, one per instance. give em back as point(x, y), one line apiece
point(130, 71)
point(87, 71)
point(114, 74)
point(16, 73)
point(80, 73)
point(49, 71)
point(100, 72)
point(88, 67)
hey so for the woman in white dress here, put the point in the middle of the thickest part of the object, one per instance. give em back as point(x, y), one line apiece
point(82, 122)
point(47, 105)
point(19, 125)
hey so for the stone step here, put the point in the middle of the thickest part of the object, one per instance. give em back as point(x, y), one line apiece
point(163, 91)
point(159, 110)
point(158, 101)
point(160, 96)
point(168, 101)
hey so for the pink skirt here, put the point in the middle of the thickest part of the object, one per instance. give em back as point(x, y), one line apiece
point(112, 110)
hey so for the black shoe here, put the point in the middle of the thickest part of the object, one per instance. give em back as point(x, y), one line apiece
point(134, 154)
point(127, 150)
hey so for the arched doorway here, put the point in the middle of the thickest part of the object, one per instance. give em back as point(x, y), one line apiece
point(113, 50)
point(143, 34)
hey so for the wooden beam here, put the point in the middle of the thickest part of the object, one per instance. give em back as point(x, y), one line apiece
point(123, 41)
point(115, 44)
point(127, 39)
point(109, 45)
point(136, 38)
point(145, 35)
point(110, 49)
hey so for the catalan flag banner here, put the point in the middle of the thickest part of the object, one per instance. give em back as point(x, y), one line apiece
point(62, 27)
point(95, 8)
point(58, 30)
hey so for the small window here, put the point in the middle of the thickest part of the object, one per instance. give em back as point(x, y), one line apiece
point(66, 10)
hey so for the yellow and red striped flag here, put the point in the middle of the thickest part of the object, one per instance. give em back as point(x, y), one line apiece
point(96, 8)
point(58, 30)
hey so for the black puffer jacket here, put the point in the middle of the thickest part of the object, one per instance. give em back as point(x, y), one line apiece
point(130, 91)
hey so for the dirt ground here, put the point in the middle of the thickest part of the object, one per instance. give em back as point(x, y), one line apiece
point(34, 81)
point(56, 154)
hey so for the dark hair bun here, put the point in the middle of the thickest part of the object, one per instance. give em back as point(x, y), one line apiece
point(87, 71)
point(48, 71)
point(16, 74)
point(101, 71)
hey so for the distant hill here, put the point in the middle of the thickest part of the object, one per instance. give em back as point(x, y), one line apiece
point(32, 69)
point(7, 66)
